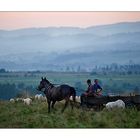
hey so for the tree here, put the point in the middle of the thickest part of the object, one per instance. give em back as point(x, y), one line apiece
point(2, 70)
point(21, 86)
point(7, 91)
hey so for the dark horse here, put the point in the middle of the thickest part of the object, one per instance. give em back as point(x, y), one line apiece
point(59, 93)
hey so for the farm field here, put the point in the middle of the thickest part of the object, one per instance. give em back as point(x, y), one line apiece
point(64, 77)
point(111, 83)
point(36, 115)
point(18, 115)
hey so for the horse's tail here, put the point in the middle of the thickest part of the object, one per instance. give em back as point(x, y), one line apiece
point(73, 94)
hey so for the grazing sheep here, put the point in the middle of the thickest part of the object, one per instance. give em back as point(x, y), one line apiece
point(71, 98)
point(44, 99)
point(12, 100)
point(116, 104)
point(18, 99)
point(40, 97)
point(27, 101)
point(36, 96)
point(78, 99)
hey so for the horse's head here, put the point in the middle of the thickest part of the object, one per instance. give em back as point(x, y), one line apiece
point(43, 83)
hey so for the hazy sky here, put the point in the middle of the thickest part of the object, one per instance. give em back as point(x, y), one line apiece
point(16, 20)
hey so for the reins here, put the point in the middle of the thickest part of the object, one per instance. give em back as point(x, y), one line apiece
point(49, 86)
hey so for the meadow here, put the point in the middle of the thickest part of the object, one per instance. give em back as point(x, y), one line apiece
point(18, 115)
point(28, 81)
point(36, 115)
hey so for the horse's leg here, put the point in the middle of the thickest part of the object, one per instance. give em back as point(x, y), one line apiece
point(53, 102)
point(66, 104)
point(49, 103)
point(81, 100)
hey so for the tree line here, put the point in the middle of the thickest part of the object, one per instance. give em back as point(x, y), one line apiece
point(115, 68)
point(9, 90)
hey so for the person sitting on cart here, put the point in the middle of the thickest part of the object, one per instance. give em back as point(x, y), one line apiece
point(89, 87)
point(96, 88)
point(87, 92)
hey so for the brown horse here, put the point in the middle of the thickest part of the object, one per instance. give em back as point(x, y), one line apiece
point(58, 93)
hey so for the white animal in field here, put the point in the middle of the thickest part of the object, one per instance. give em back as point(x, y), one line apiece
point(116, 104)
point(18, 99)
point(40, 97)
point(44, 99)
point(71, 98)
point(12, 100)
point(36, 96)
point(78, 99)
point(27, 101)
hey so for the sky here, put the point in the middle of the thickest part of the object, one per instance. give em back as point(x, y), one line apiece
point(17, 20)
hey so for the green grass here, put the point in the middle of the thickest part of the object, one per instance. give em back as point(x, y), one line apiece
point(36, 116)
point(111, 83)
point(18, 115)
point(60, 78)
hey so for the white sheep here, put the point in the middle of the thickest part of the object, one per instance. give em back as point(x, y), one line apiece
point(44, 99)
point(116, 104)
point(18, 99)
point(71, 98)
point(40, 97)
point(78, 99)
point(36, 96)
point(27, 101)
point(12, 100)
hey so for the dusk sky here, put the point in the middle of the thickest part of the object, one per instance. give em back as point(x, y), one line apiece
point(16, 20)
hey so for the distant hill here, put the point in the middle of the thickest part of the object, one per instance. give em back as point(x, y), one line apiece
point(52, 47)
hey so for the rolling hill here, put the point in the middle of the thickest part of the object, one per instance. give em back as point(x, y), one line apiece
point(53, 48)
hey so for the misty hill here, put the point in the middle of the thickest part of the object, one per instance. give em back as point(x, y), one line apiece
point(54, 48)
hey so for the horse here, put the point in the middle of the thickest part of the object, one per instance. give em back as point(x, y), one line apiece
point(53, 94)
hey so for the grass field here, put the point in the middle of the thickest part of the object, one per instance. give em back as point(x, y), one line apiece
point(18, 115)
point(110, 83)
point(58, 77)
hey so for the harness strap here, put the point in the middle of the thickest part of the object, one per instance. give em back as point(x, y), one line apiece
point(49, 86)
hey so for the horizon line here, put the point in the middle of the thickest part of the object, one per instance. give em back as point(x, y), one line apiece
point(63, 26)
